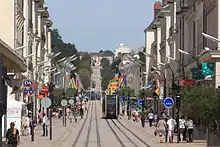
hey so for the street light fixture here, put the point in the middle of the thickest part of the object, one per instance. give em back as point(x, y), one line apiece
point(55, 54)
point(19, 48)
point(210, 37)
point(60, 60)
point(184, 52)
point(194, 57)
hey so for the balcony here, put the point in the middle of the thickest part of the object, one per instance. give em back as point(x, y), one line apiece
point(43, 37)
point(171, 31)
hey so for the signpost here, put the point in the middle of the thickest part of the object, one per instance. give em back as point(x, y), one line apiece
point(64, 104)
point(168, 102)
point(71, 101)
point(161, 96)
point(140, 102)
point(46, 102)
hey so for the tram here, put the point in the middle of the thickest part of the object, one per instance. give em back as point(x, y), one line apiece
point(110, 107)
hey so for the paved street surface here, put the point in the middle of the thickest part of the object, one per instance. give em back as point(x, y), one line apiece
point(93, 131)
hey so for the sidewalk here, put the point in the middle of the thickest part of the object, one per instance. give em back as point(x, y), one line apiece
point(149, 134)
point(59, 133)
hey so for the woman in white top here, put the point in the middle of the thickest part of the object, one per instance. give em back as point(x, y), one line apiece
point(182, 127)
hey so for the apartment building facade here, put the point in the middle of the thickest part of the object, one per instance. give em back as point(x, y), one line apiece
point(25, 28)
point(174, 42)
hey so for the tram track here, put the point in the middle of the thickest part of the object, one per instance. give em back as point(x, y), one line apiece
point(135, 135)
point(115, 134)
point(97, 128)
point(89, 129)
point(82, 127)
point(130, 140)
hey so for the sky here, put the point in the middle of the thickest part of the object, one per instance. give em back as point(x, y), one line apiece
point(93, 25)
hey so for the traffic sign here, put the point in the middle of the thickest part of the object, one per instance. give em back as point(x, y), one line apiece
point(168, 102)
point(161, 92)
point(71, 101)
point(27, 83)
point(64, 102)
point(46, 102)
point(122, 98)
point(140, 102)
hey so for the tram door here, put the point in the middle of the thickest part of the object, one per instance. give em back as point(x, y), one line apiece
point(103, 106)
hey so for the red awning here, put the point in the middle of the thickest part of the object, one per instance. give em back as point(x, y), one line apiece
point(149, 98)
point(188, 82)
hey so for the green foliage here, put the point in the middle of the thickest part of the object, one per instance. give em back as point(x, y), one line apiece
point(107, 75)
point(106, 53)
point(142, 56)
point(83, 67)
point(58, 45)
point(115, 65)
point(125, 91)
point(200, 103)
point(60, 92)
point(85, 70)
point(145, 93)
point(105, 62)
point(85, 77)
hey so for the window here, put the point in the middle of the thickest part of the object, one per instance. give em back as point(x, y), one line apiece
point(194, 38)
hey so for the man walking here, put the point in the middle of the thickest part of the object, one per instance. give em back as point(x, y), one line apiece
point(171, 126)
point(12, 136)
point(150, 118)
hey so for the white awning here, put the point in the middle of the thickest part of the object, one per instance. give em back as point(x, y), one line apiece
point(11, 59)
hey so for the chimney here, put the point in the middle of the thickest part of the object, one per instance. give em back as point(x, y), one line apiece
point(157, 7)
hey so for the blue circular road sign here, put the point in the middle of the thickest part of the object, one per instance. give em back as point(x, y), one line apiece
point(140, 102)
point(168, 102)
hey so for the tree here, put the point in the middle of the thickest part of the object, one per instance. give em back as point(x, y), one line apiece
point(85, 77)
point(146, 92)
point(105, 62)
point(115, 65)
point(107, 75)
point(107, 53)
point(58, 45)
point(200, 103)
point(125, 91)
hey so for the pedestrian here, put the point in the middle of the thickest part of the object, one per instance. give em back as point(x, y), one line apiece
point(161, 129)
point(171, 126)
point(156, 119)
point(123, 109)
point(12, 136)
point(190, 125)
point(44, 125)
point(151, 118)
point(182, 127)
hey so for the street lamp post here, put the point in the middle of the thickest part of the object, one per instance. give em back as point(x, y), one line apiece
point(173, 85)
point(128, 107)
point(164, 78)
point(143, 106)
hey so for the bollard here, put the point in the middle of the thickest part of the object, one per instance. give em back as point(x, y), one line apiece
point(51, 113)
point(207, 137)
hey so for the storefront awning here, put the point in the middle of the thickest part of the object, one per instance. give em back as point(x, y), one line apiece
point(12, 60)
point(211, 56)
